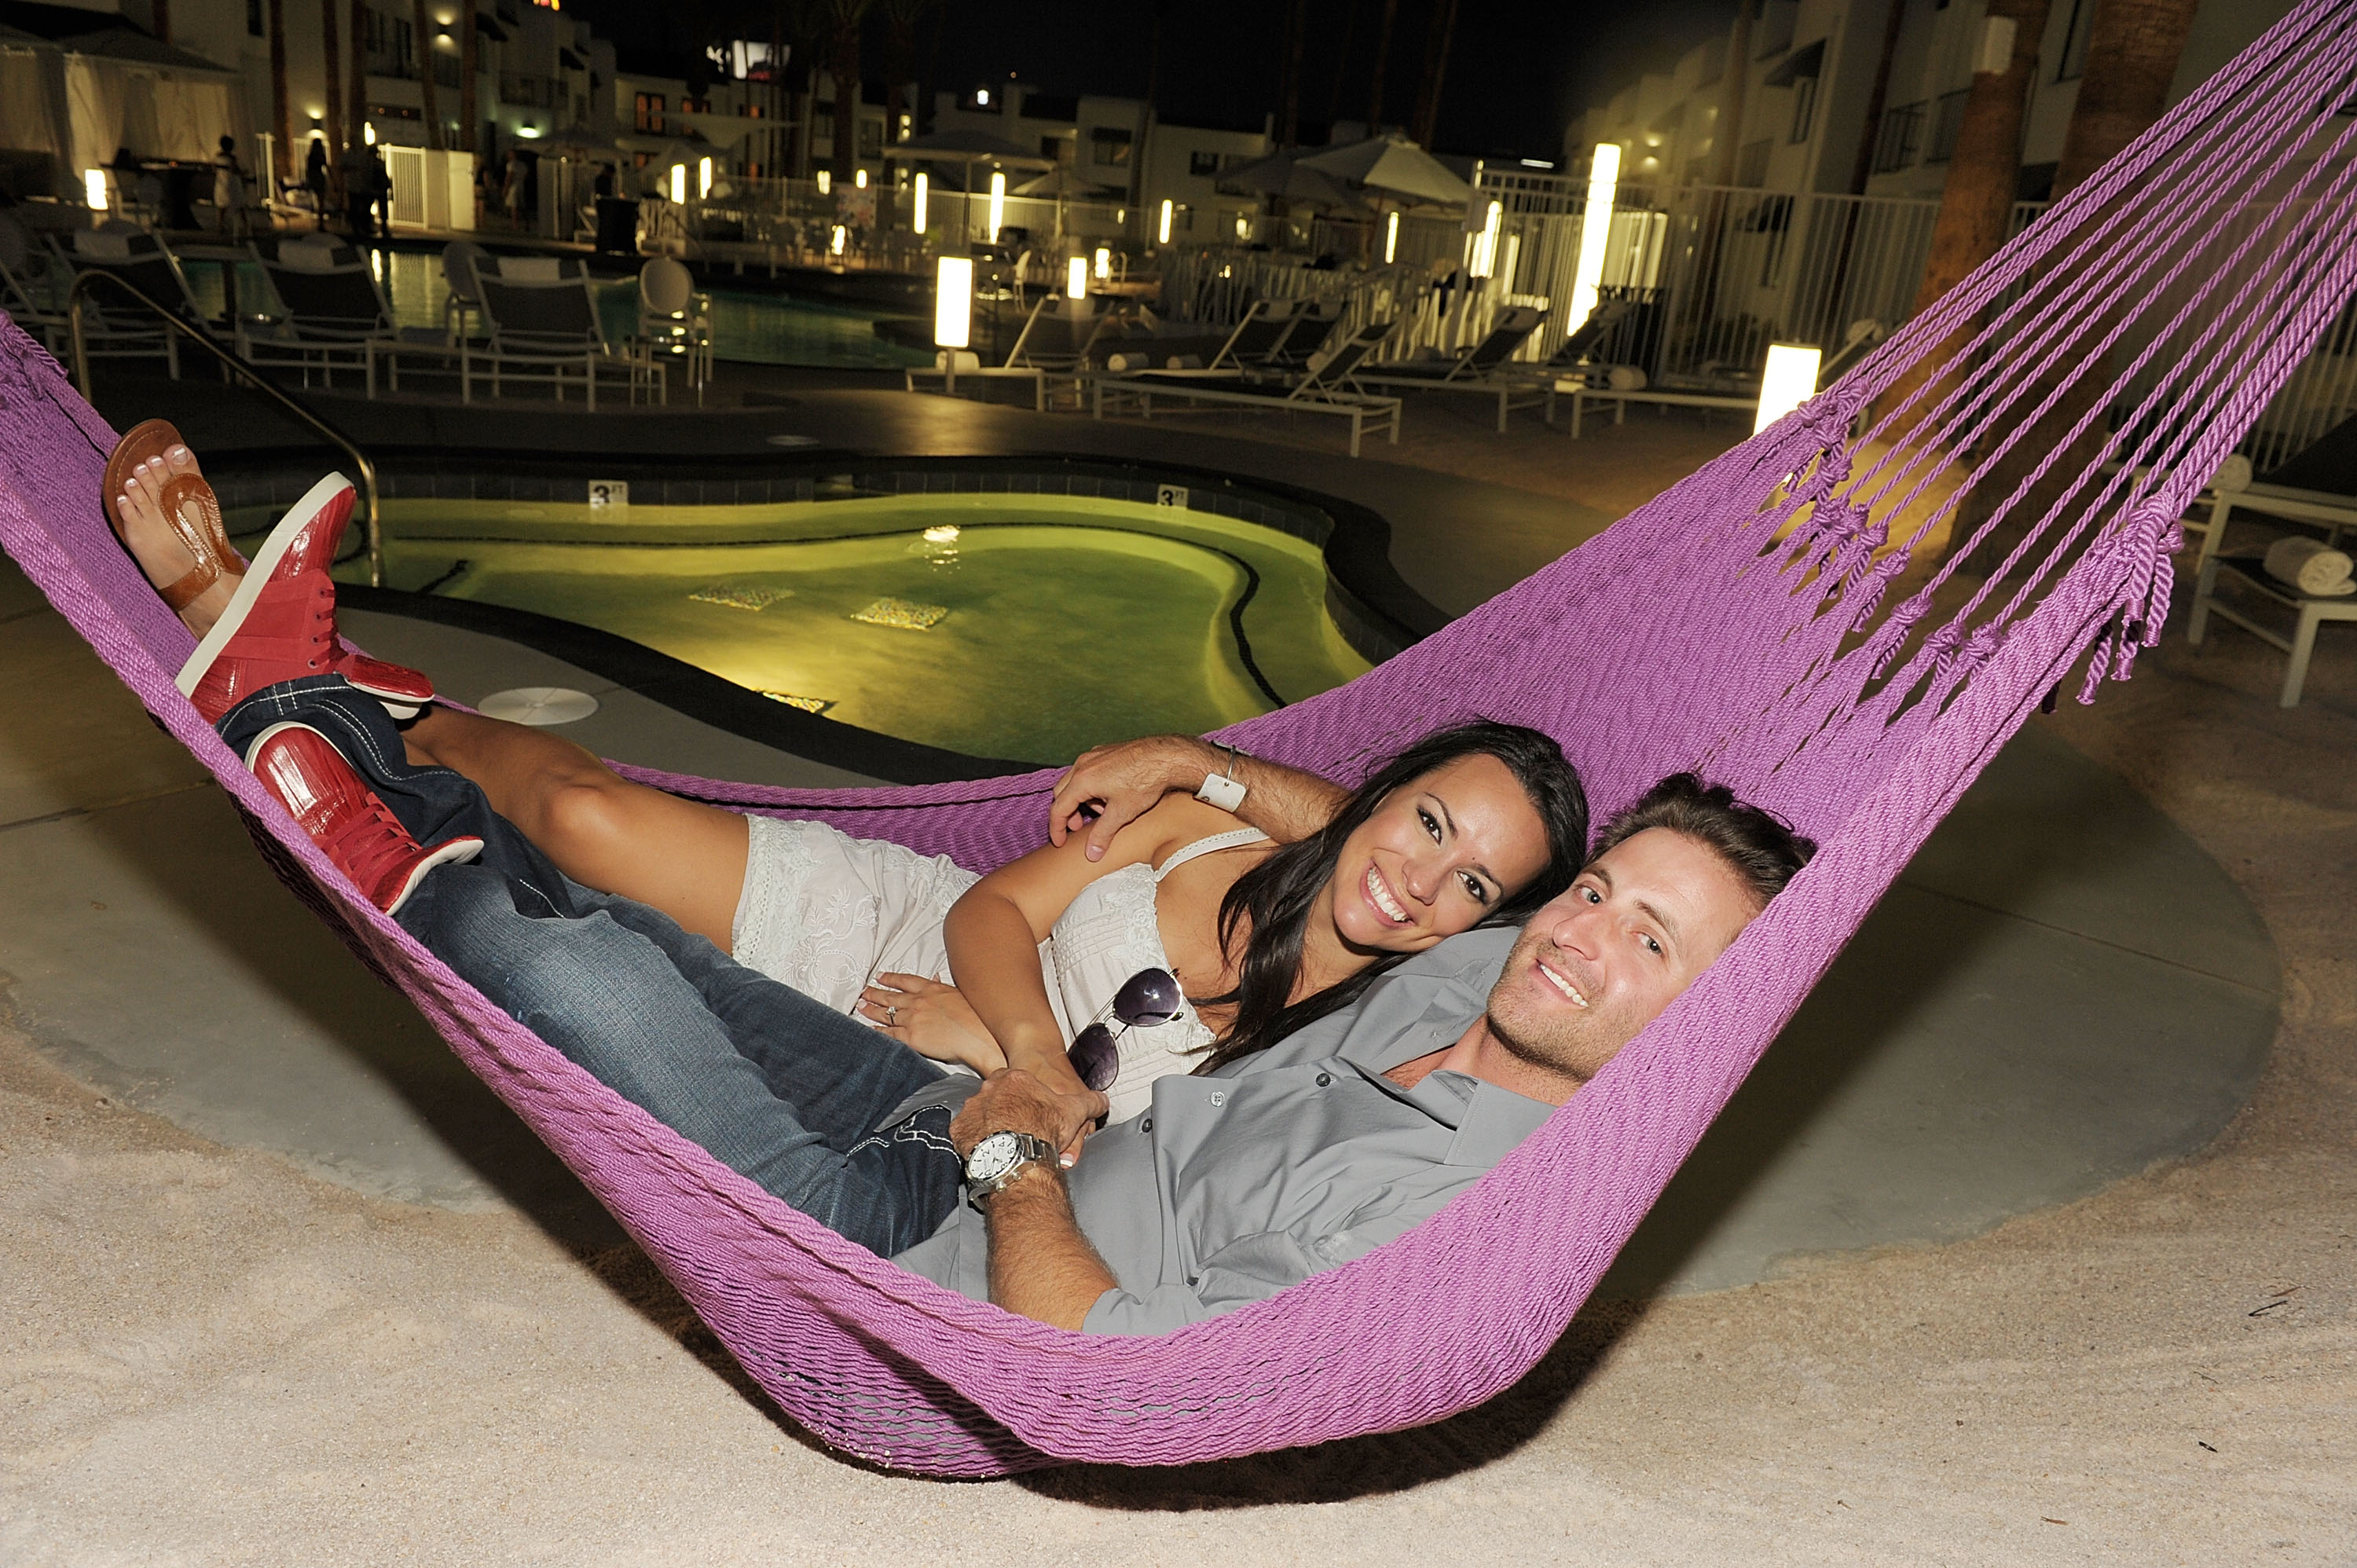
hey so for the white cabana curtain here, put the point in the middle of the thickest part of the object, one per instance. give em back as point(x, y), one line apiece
point(168, 117)
point(25, 123)
point(155, 115)
point(95, 95)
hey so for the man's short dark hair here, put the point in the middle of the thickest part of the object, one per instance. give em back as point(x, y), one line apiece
point(1761, 848)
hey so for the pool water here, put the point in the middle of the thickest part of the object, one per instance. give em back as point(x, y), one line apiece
point(1019, 626)
point(747, 327)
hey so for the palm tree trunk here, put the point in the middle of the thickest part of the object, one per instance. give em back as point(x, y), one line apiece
point(1435, 70)
point(2133, 49)
point(1296, 36)
point(1342, 61)
point(359, 104)
point(469, 62)
point(331, 59)
point(1382, 63)
point(1976, 203)
point(282, 124)
point(844, 63)
point(424, 28)
point(159, 19)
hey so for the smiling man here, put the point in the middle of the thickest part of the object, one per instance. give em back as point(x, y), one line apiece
point(1244, 1180)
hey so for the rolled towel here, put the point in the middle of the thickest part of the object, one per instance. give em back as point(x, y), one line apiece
point(1625, 378)
point(1120, 364)
point(2310, 566)
point(1184, 362)
point(964, 358)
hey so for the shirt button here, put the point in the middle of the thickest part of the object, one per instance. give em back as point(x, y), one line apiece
point(1145, 1124)
point(1324, 1079)
point(1218, 1098)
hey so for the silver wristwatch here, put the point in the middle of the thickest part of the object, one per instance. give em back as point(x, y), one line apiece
point(999, 1159)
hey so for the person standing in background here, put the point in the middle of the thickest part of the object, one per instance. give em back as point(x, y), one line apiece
point(229, 191)
point(315, 180)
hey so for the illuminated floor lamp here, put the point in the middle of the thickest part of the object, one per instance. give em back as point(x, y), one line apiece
point(1594, 233)
point(952, 311)
point(1789, 381)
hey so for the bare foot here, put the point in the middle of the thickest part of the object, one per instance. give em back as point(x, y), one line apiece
point(156, 546)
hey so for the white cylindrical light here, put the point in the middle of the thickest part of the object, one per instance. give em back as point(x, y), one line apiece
point(836, 241)
point(1076, 278)
point(679, 182)
point(1162, 230)
point(1789, 381)
point(1104, 261)
point(953, 302)
point(1391, 238)
point(703, 178)
point(1594, 233)
point(827, 182)
point(368, 132)
point(859, 178)
point(1485, 243)
point(93, 188)
point(918, 217)
point(997, 203)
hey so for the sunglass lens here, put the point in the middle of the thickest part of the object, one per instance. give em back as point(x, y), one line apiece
point(1095, 1057)
point(1148, 997)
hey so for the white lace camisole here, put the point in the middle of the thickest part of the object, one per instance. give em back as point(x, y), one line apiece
point(825, 913)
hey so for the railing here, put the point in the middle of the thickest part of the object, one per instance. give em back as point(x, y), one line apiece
point(372, 531)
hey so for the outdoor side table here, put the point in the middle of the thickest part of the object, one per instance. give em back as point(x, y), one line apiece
point(2247, 574)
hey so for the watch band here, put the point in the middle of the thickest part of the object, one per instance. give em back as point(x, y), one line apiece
point(1222, 787)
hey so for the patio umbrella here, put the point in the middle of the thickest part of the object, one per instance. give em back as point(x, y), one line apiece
point(1286, 175)
point(967, 147)
point(1061, 183)
point(1395, 165)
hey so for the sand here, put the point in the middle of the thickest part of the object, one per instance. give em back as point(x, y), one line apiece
point(208, 1357)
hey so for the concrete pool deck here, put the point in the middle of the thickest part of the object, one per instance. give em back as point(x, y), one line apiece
point(225, 1355)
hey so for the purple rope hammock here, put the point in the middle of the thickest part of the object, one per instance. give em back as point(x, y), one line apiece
point(1736, 624)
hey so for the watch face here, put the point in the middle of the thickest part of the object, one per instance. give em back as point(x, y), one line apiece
point(993, 1156)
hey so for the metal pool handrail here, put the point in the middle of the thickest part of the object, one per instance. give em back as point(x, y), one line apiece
point(372, 532)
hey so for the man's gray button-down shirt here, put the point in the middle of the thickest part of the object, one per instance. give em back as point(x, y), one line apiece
point(1290, 1162)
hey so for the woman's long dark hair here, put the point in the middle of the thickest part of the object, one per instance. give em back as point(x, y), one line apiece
point(1278, 894)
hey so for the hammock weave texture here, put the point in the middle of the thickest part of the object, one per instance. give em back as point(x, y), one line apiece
point(1736, 625)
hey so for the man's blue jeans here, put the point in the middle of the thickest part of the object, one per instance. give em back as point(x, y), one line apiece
point(783, 1089)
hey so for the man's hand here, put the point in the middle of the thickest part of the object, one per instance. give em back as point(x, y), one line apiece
point(1015, 1101)
point(1040, 1264)
point(1124, 783)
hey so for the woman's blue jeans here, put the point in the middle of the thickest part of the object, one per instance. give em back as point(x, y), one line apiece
point(782, 1089)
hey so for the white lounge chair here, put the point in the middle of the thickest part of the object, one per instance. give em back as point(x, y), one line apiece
point(542, 324)
point(1325, 387)
point(674, 319)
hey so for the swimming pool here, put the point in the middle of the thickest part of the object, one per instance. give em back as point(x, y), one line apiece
point(1017, 626)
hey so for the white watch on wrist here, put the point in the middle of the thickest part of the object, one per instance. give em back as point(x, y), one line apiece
point(999, 1159)
point(1222, 787)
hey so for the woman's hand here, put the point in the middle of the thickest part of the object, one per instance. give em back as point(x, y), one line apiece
point(931, 1019)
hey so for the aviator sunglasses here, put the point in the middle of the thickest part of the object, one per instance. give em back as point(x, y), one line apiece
point(1145, 999)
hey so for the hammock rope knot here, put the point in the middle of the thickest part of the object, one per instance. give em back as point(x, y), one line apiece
point(2152, 531)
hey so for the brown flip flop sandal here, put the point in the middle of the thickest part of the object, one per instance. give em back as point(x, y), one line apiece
point(189, 506)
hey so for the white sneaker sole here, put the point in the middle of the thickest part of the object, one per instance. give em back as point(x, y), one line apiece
point(257, 572)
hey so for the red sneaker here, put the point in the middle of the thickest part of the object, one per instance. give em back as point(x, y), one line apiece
point(305, 774)
point(281, 623)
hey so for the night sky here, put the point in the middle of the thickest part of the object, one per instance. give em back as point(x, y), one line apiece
point(1518, 69)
